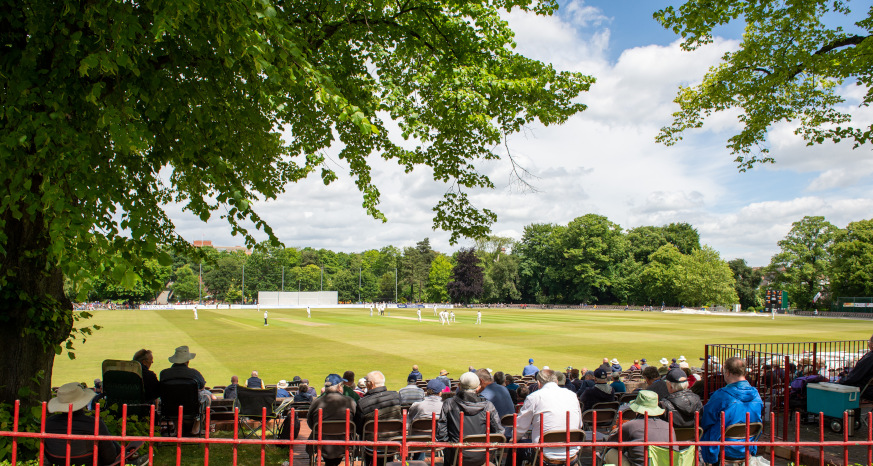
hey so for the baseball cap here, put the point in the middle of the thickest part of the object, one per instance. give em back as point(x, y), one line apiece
point(334, 379)
point(411, 378)
point(600, 373)
point(436, 385)
point(530, 361)
point(676, 376)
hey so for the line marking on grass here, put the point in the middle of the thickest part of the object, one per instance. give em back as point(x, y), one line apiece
point(238, 324)
point(411, 318)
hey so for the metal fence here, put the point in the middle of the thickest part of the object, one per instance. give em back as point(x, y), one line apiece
point(852, 304)
point(494, 446)
point(771, 367)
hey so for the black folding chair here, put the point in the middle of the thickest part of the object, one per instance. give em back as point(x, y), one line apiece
point(184, 393)
point(252, 402)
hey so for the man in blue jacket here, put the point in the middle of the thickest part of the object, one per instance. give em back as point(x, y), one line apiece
point(734, 400)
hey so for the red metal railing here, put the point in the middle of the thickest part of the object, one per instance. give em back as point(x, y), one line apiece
point(402, 445)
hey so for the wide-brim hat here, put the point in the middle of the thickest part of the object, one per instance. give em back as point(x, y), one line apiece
point(71, 394)
point(646, 402)
point(282, 384)
point(664, 361)
point(444, 372)
point(182, 355)
point(682, 358)
point(614, 361)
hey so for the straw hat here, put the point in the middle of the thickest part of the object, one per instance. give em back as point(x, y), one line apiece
point(282, 384)
point(71, 393)
point(664, 361)
point(646, 402)
point(182, 355)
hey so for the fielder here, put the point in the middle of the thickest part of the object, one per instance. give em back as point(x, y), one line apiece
point(418, 311)
point(265, 317)
point(478, 317)
point(308, 312)
point(195, 312)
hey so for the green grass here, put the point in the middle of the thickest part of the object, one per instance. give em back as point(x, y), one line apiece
point(234, 342)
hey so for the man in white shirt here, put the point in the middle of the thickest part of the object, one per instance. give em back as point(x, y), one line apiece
point(418, 311)
point(553, 402)
point(195, 312)
point(308, 312)
point(478, 317)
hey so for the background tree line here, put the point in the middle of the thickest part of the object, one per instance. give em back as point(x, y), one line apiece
point(590, 260)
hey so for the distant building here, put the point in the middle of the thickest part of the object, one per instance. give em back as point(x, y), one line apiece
point(208, 244)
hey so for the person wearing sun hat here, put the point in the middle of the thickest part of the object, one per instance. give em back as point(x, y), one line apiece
point(645, 404)
point(83, 424)
point(282, 389)
point(180, 370)
point(616, 366)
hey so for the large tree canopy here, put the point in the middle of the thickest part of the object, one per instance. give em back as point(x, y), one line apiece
point(111, 110)
point(793, 57)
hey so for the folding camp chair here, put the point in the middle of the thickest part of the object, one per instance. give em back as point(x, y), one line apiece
point(605, 419)
point(332, 430)
point(560, 436)
point(660, 456)
point(476, 456)
point(389, 429)
point(122, 384)
point(184, 393)
point(252, 402)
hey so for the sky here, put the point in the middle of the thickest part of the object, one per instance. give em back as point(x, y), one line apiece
point(604, 160)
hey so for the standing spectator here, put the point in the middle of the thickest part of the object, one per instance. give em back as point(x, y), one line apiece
point(680, 401)
point(254, 381)
point(553, 403)
point(734, 400)
point(230, 390)
point(150, 382)
point(410, 393)
point(479, 416)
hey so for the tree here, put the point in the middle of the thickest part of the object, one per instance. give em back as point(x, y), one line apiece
point(802, 267)
point(467, 277)
point(187, 285)
point(683, 236)
point(440, 274)
point(660, 277)
point(226, 274)
point(502, 280)
point(101, 100)
point(792, 60)
point(592, 248)
point(852, 260)
point(747, 282)
point(704, 278)
point(539, 252)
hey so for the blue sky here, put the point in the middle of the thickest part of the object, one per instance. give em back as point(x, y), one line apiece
point(604, 160)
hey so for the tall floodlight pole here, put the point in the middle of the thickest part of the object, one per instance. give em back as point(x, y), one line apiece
point(283, 278)
point(359, 283)
point(298, 291)
point(322, 278)
point(200, 293)
point(244, 285)
point(395, 284)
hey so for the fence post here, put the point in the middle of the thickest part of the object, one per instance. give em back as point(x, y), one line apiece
point(786, 386)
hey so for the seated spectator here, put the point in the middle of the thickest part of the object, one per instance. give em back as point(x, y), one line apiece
point(617, 385)
point(415, 373)
point(361, 389)
point(282, 389)
point(497, 394)
point(83, 424)
point(254, 381)
point(431, 405)
point(333, 406)
point(634, 430)
point(862, 372)
point(349, 386)
point(378, 397)
point(606, 365)
point(150, 382)
point(230, 391)
point(181, 370)
point(303, 395)
point(521, 394)
point(616, 367)
point(552, 405)
point(586, 382)
point(683, 363)
point(410, 393)
point(635, 367)
point(599, 393)
point(654, 382)
point(680, 401)
point(444, 378)
point(673, 365)
point(479, 415)
point(643, 363)
point(692, 378)
point(735, 400)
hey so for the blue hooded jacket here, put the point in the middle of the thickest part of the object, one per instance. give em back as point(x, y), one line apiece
point(735, 400)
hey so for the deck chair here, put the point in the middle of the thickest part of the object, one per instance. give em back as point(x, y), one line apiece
point(476, 456)
point(251, 402)
point(560, 436)
point(184, 393)
point(660, 456)
point(122, 384)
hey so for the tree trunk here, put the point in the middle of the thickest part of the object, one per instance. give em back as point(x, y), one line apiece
point(35, 314)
